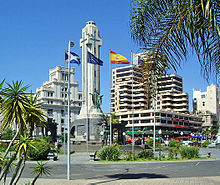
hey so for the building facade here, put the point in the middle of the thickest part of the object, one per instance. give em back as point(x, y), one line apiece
point(127, 92)
point(128, 99)
point(53, 96)
point(206, 104)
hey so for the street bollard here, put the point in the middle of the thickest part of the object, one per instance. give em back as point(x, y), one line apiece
point(209, 154)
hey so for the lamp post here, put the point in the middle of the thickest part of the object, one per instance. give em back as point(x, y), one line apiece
point(181, 133)
point(160, 132)
point(123, 138)
point(192, 138)
point(102, 137)
point(143, 136)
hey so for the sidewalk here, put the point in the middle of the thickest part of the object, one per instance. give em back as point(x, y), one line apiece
point(159, 181)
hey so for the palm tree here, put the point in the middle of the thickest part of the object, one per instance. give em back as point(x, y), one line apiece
point(23, 111)
point(36, 116)
point(150, 72)
point(115, 119)
point(1, 84)
point(40, 169)
point(14, 107)
point(21, 147)
point(168, 27)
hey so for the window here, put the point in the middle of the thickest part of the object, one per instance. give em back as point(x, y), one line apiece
point(64, 76)
point(50, 111)
point(145, 114)
point(49, 94)
point(62, 120)
point(203, 103)
point(62, 113)
point(136, 115)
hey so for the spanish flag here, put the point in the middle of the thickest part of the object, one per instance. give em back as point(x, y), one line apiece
point(117, 58)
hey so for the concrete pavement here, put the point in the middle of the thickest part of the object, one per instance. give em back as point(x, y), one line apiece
point(153, 181)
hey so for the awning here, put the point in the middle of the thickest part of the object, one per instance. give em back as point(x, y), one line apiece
point(183, 137)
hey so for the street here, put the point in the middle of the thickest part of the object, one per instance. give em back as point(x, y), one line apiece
point(132, 171)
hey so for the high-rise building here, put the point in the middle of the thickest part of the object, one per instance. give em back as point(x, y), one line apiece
point(206, 104)
point(129, 101)
point(126, 88)
point(53, 96)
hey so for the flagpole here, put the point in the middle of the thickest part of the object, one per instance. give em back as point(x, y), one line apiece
point(64, 138)
point(132, 104)
point(87, 104)
point(110, 117)
point(68, 117)
point(154, 104)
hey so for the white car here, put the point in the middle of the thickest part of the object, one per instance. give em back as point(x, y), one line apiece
point(186, 142)
point(214, 145)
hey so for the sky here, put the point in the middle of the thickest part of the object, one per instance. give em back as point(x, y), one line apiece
point(34, 34)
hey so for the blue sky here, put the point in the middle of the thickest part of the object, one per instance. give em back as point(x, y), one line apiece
point(34, 34)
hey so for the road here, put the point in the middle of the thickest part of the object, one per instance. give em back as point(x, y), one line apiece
point(132, 171)
point(82, 168)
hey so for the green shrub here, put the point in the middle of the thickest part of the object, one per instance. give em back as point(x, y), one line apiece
point(130, 156)
point(174, 143)
point(7, 134)
point(40, 150)
point(145, 154)
point(110, 153)
point(189, 152)
point(149, 142)
point(155, 157)
point(172, 152)
point(49, 139)
point(4, 146)
point(206, 143)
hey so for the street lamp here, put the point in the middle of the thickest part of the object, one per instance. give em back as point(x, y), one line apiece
point(123, 138)
point(143, 136)
point(181, 133)
point(160, 132)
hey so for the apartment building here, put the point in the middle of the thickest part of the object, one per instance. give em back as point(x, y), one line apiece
point(127, 91)
point(53, 96)
point(206, 104)
point(128, 98)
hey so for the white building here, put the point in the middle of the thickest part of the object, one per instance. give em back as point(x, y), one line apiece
point(53, 95)
point(206, 104)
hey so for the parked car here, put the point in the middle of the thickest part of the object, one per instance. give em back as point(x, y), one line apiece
point(214, 145)
point(186, 142)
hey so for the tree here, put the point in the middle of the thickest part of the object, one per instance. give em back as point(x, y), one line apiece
point(114, 118)
point(168, 27)
point(36, 116)
point(23, 112)
point(40, 169)
point(150, 71)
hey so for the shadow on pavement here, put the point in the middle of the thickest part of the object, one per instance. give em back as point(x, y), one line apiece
point(136, 176)
point(119, 176)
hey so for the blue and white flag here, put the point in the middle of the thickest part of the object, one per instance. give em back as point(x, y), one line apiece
point(94, 60)
point(137, 59)
point(73, 58)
